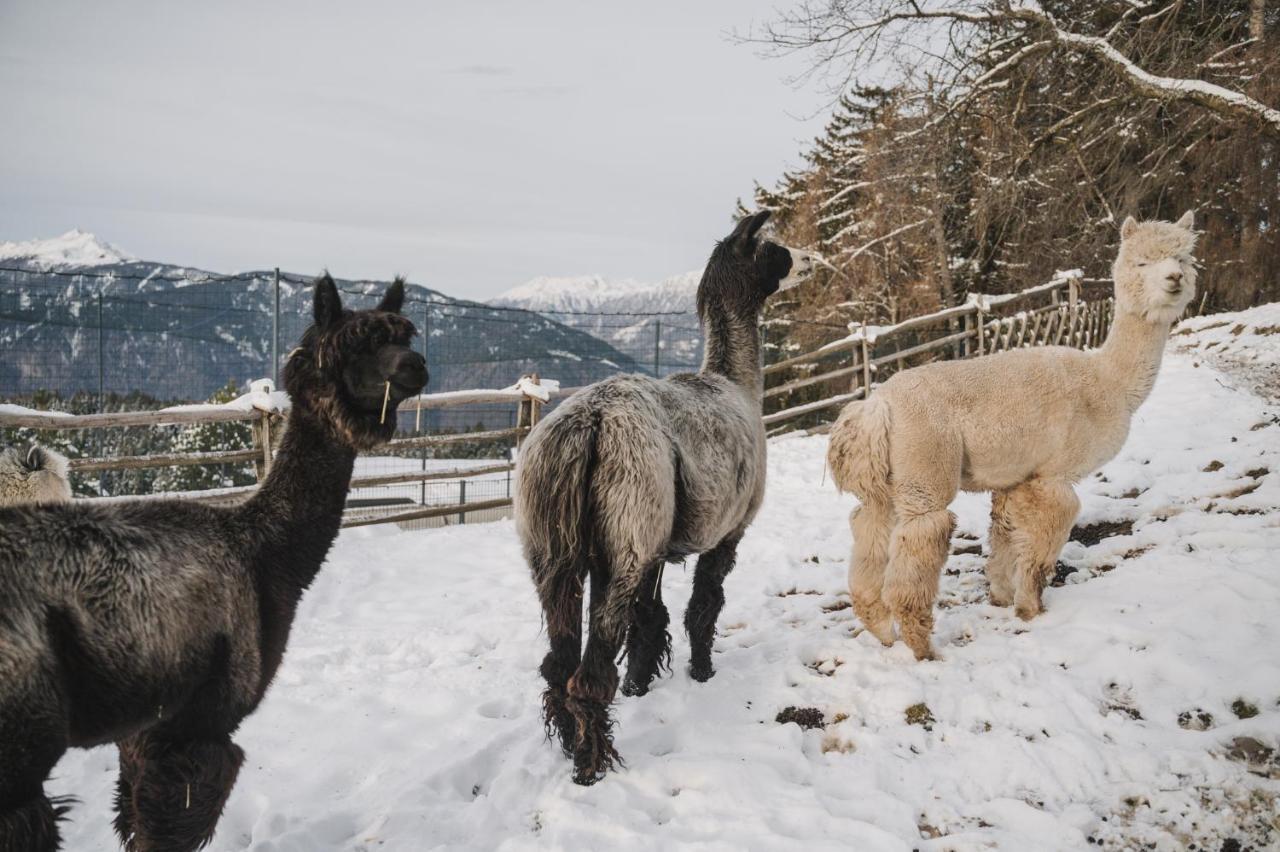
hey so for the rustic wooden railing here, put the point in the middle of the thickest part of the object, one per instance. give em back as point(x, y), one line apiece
point(981, 326)
point(267, 419)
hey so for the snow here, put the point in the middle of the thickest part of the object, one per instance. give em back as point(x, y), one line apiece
point(541, 389)
point(22, 411)
point(262, 396)
point(1245, 343)
point(74, 248)
point(406, 714)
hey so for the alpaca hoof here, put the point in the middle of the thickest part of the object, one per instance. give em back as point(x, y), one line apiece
point(594, 757)
point(1026, 613)
point(633, 688)
point(593, 751)
point(701, 672)
point(883, 633)
point(925, 653)
point(1000, 600)
point(586, 777)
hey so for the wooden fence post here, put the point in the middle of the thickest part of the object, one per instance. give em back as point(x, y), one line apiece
point(866, 364)
point(980, 316)
point(1075, 337)
point(528, 411)
point(262, 443)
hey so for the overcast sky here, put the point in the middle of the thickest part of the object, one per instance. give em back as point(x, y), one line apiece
point(470, 145)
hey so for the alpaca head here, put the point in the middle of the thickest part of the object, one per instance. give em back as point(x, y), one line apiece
point(32, 475)
point(1155, 272)
point(745, 269)
point(353, 368)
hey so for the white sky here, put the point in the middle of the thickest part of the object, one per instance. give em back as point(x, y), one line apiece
point(470, 145)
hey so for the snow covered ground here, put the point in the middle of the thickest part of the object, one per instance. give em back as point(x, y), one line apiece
point(1136, 713)
point(1245, 344)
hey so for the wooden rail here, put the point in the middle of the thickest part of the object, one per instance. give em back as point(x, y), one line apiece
point(266, 425)
point(869, 352)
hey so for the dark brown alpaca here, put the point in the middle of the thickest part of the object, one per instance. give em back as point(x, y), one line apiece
point(159, 626)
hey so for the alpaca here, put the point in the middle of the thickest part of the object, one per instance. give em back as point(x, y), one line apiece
point(38, 475)
point(160, 625)
point(633, 472)
point(1025, 425)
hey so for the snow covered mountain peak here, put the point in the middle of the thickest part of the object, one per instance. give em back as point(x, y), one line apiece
point(74, 248)
point(597, 293)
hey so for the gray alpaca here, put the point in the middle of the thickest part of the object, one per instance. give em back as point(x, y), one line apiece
point(160, 625)
point(633, 472)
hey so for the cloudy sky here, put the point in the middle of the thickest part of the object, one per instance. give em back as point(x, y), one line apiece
point(471, 145)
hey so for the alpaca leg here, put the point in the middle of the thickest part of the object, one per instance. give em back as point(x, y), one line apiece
point(648, 642)
point(177, 790)
point(561, 596)
point(1003, 557)
point(32, 740)
point(29, 821)
point(917, 552)
point(1042, 512)
point(705, 604)
point(872, 524)
point(130, 770)
point(592, 688)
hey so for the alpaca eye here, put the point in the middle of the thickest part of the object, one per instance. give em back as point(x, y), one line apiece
point(1142, 264)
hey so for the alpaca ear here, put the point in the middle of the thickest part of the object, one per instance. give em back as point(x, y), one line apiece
point(1130, 225)
point(328, 304)
point(1188, 220)
point(748, 227)
point(393, 300)
point(35, 458)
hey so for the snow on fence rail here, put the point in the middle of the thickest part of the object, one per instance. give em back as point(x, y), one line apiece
point(978, 327)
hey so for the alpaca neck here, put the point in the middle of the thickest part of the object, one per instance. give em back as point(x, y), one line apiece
point(297, 511)
point(733, 349)
point(1130, 357)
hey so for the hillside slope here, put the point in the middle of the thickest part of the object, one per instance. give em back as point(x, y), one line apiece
point(1142, 710)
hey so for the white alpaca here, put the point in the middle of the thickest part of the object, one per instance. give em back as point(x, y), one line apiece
point(34, 476)
point(1025, 424)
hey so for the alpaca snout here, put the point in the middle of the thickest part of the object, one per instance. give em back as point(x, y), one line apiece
point(409, 373)
point(1173, 283)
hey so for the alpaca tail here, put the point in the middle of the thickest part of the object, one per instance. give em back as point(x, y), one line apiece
point(553, 496)
point(858, 454)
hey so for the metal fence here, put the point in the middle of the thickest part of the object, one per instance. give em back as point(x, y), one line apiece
point(138, 336)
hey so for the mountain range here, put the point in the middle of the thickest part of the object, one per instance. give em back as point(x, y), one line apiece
point(78, 314)
point(661, 313)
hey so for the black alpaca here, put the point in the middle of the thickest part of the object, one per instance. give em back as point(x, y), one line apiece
point(633, 472)
point(159, 626)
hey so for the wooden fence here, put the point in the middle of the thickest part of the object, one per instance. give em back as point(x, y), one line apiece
point(267, 424)
point(846, 369)
point(832, 374)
